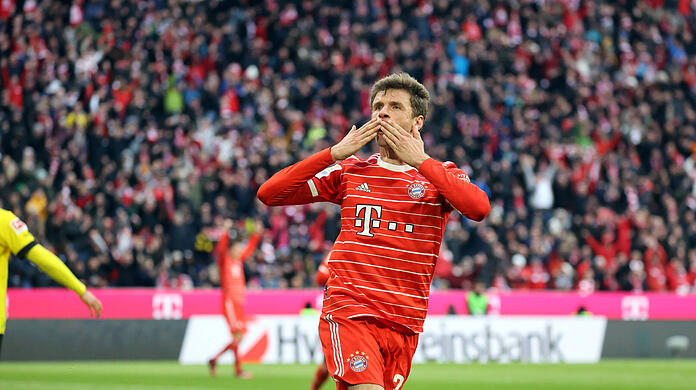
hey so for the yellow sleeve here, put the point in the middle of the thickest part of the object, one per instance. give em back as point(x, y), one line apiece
point(51, 265)
point(14, 233)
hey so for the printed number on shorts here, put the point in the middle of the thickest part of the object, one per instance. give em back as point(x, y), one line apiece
point(399, 380)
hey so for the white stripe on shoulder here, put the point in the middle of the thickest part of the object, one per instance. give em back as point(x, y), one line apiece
point(327, 171)
point(312, 187)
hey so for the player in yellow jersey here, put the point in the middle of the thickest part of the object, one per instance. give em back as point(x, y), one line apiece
point(16, 239)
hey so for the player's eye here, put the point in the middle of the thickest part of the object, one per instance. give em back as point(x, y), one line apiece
point(396, 107)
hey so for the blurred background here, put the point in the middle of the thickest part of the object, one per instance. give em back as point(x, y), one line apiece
point(129, 130)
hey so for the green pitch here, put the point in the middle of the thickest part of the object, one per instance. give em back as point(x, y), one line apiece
point(614, 375)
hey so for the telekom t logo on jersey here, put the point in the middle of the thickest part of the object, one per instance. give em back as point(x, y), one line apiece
point(369, 216)
point(367, 220)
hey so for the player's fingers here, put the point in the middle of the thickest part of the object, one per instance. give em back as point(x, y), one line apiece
point(392, 144)
point(370, 133)
point(398, 129)
point(390, 132)
point(416, 132)
point(387, 128)
point(367, 138)
point(391, 137)
point(372, 123)
point(394, 127)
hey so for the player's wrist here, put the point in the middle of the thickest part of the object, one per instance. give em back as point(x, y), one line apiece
point(419, 161)
point(336, 153)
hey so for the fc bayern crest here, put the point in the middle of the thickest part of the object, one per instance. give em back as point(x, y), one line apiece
point(358, 363)
point(416, 190)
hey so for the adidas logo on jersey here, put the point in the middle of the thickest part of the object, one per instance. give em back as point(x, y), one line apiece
point(363, 187)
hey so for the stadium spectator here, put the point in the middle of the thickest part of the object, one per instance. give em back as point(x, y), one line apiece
point(476, 300)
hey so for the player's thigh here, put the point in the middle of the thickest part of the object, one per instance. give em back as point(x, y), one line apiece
point(397, 364)
point(352, 352)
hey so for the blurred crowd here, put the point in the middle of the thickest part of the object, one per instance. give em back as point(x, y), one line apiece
point(129, 130)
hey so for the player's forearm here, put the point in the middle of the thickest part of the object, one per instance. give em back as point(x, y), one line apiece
point(251, 246)
point(463, 195)
point(221, 246)
point(289, 185)
point(53, 267)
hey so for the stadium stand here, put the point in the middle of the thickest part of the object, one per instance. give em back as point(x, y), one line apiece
point(130, 130)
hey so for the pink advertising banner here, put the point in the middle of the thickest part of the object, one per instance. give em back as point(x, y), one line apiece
point(142, 303)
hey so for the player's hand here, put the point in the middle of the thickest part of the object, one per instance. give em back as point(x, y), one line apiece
point(94, 304)
point(407, 145)
point(355, 139)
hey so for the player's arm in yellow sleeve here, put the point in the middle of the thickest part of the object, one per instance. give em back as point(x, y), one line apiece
point(53, 267)
point(15, 235)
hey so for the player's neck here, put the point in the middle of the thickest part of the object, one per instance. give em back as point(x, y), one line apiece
point(388, 155)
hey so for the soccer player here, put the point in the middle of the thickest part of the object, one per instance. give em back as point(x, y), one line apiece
point(15, 238)
point(230, 261)
point(322, 372)
point(394, 208)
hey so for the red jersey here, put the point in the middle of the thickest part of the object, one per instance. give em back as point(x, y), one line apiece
point(232, 269)
point(392, 222)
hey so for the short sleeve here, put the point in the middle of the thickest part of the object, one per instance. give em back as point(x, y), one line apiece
point(14, 233)
point(326, 185)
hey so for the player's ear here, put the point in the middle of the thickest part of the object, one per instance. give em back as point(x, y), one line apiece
point(417, 123)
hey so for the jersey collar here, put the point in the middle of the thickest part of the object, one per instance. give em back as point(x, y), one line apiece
point(393, 167)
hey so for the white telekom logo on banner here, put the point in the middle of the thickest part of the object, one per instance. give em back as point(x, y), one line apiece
point(167, 306)
point(446, 339)
point(635, 308)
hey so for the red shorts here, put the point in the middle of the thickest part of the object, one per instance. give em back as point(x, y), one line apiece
point(365, 350)
point(234, 315)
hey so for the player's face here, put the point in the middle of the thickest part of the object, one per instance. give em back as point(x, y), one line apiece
point(395, 104)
